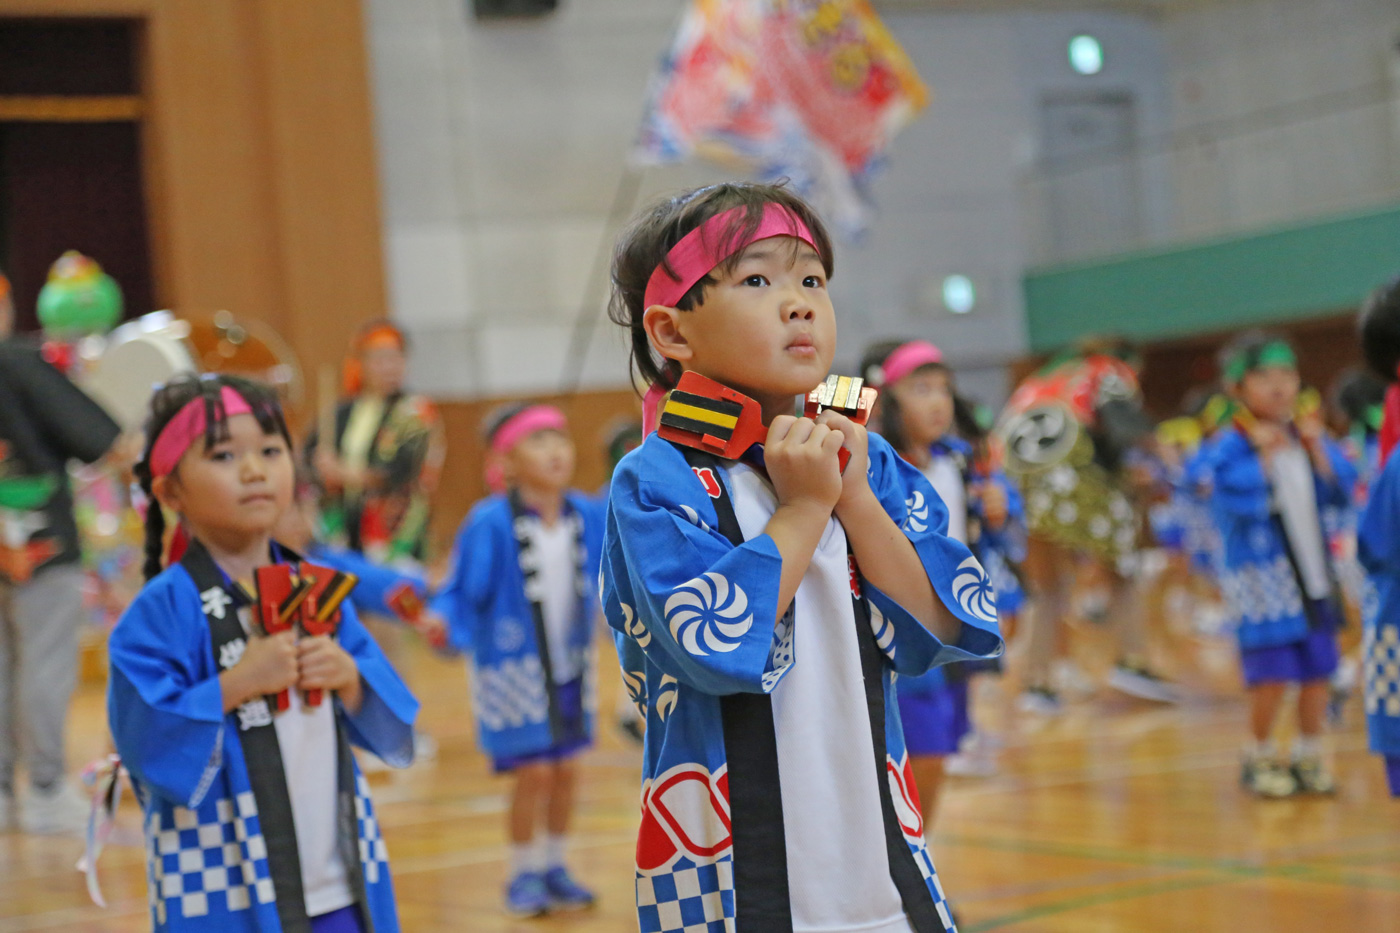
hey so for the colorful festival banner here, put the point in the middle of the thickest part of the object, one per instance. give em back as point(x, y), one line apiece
point(810, 90)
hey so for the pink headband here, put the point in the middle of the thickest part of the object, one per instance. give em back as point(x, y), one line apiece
point(908, 358)
point(700, 250)
point(515, 429)
point(187, 426)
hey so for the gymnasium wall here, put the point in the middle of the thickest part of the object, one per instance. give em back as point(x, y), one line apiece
point(260, 162)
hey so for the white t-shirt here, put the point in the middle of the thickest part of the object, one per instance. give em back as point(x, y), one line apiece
point(307, 739)
point(558, 576)
point(1290, 470)
point(947, 480)
point(838, 867)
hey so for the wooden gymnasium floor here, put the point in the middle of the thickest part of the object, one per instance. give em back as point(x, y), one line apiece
point(1116, 816)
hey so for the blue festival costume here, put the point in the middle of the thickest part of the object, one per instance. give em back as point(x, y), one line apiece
point(492, 611)
point(377, 583)
point(1272, 616)
point(221, 849)
point(935, 707)
point(693, 606)
point(1377, 537)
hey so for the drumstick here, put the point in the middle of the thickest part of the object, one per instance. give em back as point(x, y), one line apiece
point(325, 415)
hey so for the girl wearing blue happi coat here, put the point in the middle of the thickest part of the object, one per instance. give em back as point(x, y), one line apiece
point(253, 821)
point(763, 605)
point(1270, 476)
point(928, 423)
point(1377, 534)
point(520, 598)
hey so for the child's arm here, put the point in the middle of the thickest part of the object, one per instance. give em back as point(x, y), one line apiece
point(801, 459)
point(379, 709)
point(473, 562)
point(1378, 531)
point(1234, 474)
point(268, 666)
point(886, 556)
point(167, 720)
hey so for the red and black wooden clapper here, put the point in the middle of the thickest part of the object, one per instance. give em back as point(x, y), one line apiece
point(320, 611)
point(280, 594)
point(845, 395)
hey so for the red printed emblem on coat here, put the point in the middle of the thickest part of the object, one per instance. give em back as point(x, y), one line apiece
point(855, 575)
point(708, 480)
point(685, 812)
point(906, 798)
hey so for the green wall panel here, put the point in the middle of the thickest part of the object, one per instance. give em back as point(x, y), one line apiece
point(1266, 277)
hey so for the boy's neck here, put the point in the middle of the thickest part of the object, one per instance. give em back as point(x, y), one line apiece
point(545, 501)
point(773, 406)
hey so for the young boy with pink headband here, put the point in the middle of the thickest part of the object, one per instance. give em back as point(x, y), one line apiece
point(762, 605)
point(521, 599)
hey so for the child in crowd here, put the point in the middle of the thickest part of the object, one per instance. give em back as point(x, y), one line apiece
point(930, 426)
point(1377, 536)
point(762, 605)
point(253, 821)
point(520, 599)
point(1270, 474)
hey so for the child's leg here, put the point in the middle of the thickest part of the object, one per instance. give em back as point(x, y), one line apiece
point(528, 798)
point(1313, 697)
point(1047, 593)
point(564, 891)
point(928, 778)
point(563, 779)
point(1264, 702)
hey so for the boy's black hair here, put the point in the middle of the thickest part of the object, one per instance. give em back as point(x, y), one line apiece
point(1379, 327)
point(643, 246)
point(1359, 394)
point(891, 426)
point(1242, 353)
point(166, 403)
point(497, 417)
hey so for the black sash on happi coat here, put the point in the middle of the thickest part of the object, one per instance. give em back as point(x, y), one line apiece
point(762, 902)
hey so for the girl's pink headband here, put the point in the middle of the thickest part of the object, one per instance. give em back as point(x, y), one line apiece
point(188, 425)
point(909, 357)
point(515, 429)
point(703, 248)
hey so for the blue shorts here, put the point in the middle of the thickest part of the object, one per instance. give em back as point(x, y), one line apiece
point(1313, 657)
point(936, 719)
point(344, 920)
point(570, 699)
point(1392, 774)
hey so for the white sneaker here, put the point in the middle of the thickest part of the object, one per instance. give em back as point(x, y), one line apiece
point(1068, 678)
point(9, 813)
point(1142, 683)
point(60, 811)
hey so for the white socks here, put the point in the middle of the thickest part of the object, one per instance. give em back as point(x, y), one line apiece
point(1305, 746)
point(538, 855)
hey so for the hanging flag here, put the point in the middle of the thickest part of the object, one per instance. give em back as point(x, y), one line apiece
point(810, 90)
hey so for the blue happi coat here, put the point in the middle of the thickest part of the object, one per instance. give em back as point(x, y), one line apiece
point(206, 858)
point(1378, 547)
point(377, 583)
point(663, 552)
point(1256, 578)
point(488, 614)
point(996, 549)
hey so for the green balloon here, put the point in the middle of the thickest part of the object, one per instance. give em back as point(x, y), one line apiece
point(73, 307)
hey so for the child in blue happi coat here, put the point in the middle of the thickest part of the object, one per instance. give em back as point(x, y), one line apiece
point(931, 426)
point(1377, 537)
point(520, 599)
point(1270, 475)
point(253, 821)
point(762, 605)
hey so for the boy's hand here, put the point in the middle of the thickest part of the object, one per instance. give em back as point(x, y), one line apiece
point(994, 505)
point(433, 628)
point(801, 459)
point(268, 666)
point(1267, 437)
point(323, 665)
point(856, 478)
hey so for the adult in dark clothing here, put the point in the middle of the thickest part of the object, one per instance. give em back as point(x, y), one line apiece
point(45, 421)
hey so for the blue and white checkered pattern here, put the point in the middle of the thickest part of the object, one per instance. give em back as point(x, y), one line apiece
point(1382, 667)
point(689, 899)
point(1263, 592)
point(374, 855)
point(510, 694)
point(925, 862)
point(207, 861)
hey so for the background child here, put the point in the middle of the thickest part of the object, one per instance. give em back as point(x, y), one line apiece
point(1377, 536)
point(929, 425)
point(247, 814)
point(520, 598)
point(761, 606)
point(1269, 476)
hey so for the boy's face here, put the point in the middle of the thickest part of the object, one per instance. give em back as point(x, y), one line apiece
point(925, 405)
point(543, 460)
point(1270, 392)
point(384, 368)
point(767, 328)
